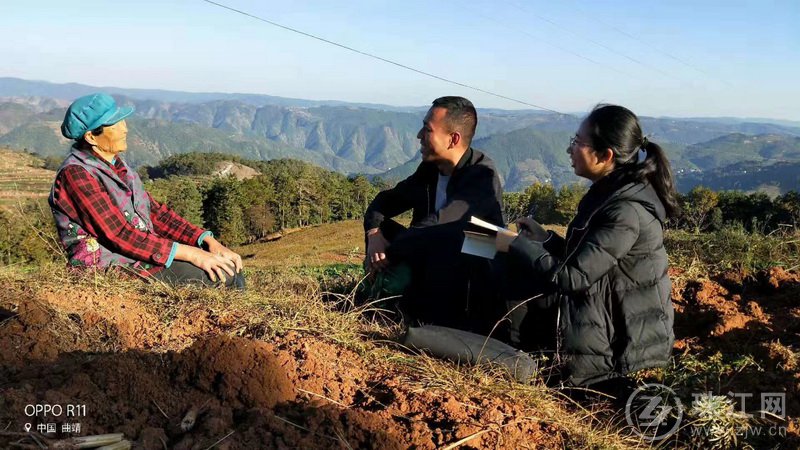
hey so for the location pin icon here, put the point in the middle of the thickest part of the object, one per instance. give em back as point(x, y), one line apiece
point(27, 427)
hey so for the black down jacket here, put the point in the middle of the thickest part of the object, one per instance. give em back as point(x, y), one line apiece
point(610, 276)
point(474, 190)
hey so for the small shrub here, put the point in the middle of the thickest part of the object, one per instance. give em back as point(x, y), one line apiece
point(716, 422)
point(29, 234)
point(52, 162)
point(701, 374)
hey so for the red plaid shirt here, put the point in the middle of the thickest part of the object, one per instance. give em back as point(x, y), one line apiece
point(85, 201)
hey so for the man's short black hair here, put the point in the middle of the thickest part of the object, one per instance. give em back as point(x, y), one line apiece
point(461, 116)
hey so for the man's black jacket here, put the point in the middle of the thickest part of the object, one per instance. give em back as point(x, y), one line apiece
point(473, 190)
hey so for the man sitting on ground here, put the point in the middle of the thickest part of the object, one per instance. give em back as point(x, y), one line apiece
point(453, 182)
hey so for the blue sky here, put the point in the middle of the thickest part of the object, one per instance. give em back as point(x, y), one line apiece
point(688, 58)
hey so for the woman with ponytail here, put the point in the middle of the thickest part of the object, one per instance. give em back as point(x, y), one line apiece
point(609, 304)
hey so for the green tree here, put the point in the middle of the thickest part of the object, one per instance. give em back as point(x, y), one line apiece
point(182, 195)
point(515, 205)
point(259, 221)
point(258, 194)
point(762, 213)
point(285, 191)
point(788, 208)
point(363, 192)
point(567, 201)
point(301, 193)
point(222, 211)
point(52, 162)
point(192, 163)
point(342, 205)
point(735, 207)
point(698, 206)
point(29, 234)
point(541, 197)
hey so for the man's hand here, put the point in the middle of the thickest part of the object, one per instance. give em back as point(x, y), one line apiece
point(531, 229)
point(216, 248)
point(376, 250)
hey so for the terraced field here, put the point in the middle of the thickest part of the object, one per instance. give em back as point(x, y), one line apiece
point(21, 177)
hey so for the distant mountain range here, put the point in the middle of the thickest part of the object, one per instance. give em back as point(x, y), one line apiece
point(773, 179)
point(527, 146)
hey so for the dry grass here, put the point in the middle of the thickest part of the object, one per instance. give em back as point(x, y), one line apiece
point(732, 248)
point(283, 297)
point(319, 245)
point(279, 301)
point(583, 426)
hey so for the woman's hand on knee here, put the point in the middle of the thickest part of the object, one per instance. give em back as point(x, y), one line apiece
point(216, 248)
point(215, 266)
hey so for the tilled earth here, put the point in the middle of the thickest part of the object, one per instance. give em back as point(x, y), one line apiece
point(140, 376)
point(739, 316)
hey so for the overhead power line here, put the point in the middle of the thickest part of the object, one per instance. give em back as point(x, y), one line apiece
point(646, 44)
point(599, 44)
point(386, 60)
point(538, 39)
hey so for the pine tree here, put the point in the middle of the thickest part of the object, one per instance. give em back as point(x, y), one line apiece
point(222, 211)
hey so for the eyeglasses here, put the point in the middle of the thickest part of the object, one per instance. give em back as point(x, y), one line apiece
point(574, 142)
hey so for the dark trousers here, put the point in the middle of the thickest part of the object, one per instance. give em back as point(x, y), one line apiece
point(181, 273)
point(447, 287)
point(616, 391)
point(532, 305)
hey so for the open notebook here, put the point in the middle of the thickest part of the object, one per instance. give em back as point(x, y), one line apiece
point(479, 238)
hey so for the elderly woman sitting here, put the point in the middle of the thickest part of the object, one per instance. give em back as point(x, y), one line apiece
point(105, 218)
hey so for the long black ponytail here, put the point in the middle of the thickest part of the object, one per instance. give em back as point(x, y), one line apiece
point(618, 128)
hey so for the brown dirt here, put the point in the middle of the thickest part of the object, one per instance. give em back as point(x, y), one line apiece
point(737, 315)
point(140, 374)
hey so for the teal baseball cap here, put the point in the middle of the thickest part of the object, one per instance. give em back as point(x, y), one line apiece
point(90, 112)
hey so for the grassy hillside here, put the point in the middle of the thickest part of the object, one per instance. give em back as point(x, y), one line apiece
point(335, 243)
point(21, 178)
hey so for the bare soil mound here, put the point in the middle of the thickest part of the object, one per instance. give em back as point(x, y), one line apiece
point(139, 374)
point(740, 316)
